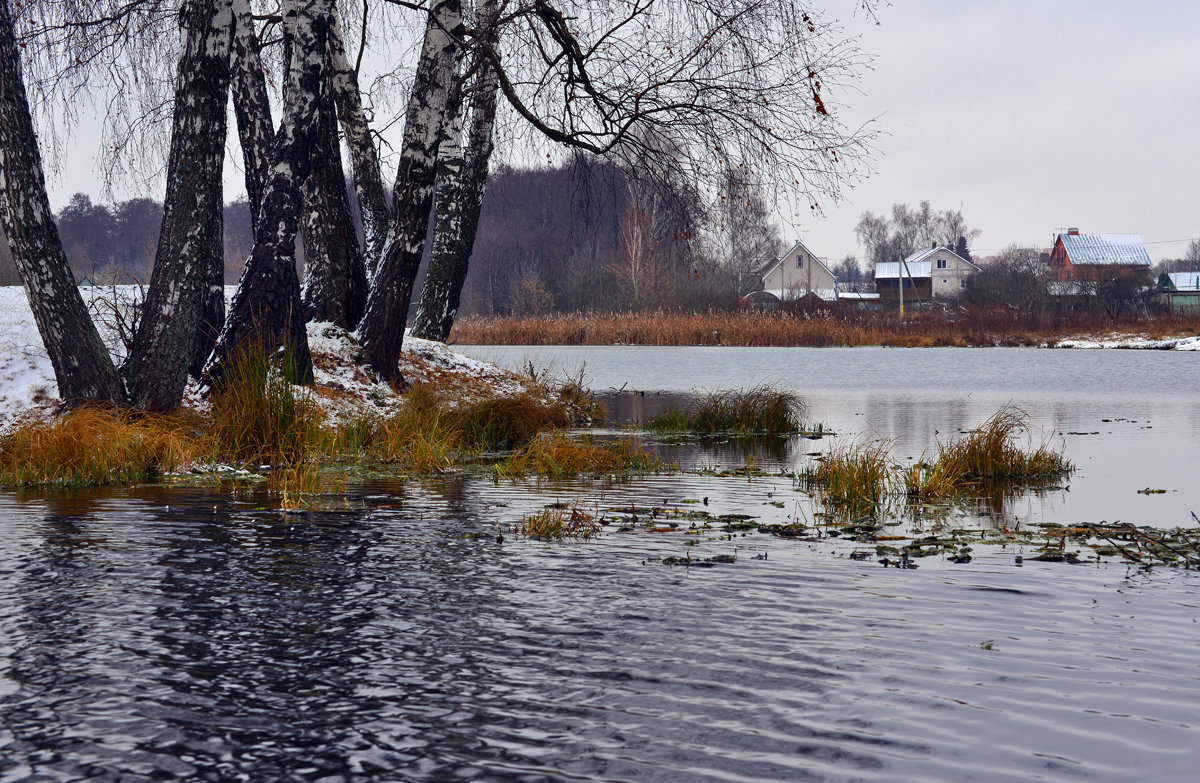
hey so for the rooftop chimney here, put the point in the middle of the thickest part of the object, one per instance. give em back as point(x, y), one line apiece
point(1072, 231)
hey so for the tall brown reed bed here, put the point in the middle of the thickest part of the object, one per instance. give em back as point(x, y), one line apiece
point(816, 328)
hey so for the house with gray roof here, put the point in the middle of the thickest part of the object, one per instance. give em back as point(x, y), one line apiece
point(1095, 257)
point(933, 273)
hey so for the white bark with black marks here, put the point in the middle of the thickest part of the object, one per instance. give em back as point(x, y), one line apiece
point(251, 104)
point(382, 328)
point(82, 365)
point(185, 301)
point(454, 239)
point(368, 174)
point(335, 282)
point(266, 308)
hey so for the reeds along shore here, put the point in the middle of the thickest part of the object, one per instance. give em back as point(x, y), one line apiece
point(818, 328)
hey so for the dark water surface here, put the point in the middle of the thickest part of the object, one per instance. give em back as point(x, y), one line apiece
point(194, 635)
point(208, 640)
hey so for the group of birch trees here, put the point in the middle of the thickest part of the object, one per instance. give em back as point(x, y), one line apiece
point(673, 89)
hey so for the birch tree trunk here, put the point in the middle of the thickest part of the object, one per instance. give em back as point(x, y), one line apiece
point(335, 283)
point(447, 232)
point(382, 328)
point(454, 239)
point(180, 318)
point(266, 308)
point(251, 104)
point(368, 175)
point(82, 365)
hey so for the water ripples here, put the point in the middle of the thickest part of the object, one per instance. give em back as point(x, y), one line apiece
point(210, 640)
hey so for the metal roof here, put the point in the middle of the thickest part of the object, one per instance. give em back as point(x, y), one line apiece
point(1105, 249)
point(1185, 281)
point(890, 270)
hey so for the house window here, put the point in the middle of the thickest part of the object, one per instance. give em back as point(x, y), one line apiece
point(799, 262)
point(941, 265)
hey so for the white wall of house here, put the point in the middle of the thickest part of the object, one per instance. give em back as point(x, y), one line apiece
point(950, 273)
point(800, 271)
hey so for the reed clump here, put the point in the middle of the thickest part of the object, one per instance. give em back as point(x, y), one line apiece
point(556, 455)
point(990, 455)
point(557, 523)
point(854, 479)
point(259, 415)
point(94, 446)
point(762, 409)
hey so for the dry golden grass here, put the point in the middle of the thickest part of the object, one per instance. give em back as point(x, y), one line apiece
point(819, 328)
point(556, 455)
point(94, 446)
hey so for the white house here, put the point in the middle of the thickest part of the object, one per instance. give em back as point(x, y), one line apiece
point(933, 273)
point(795, 274)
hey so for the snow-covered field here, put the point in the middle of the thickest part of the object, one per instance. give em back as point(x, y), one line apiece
point(27, 379)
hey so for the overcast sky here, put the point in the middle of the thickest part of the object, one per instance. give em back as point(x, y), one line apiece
point(1030, 115)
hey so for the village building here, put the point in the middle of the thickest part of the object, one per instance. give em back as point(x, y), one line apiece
point(1181, 292)
point(936, 273)
point(1099, 257)
point(796, 274)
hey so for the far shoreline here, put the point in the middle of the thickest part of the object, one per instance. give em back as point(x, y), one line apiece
point(750, 329)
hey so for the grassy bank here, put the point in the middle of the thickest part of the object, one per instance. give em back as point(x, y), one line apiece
point(815, 329)
point(270, 430)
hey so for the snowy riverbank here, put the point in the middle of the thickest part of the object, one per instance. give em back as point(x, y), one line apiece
point(27, 378)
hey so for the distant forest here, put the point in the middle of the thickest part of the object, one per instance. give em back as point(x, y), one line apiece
point(579, 237)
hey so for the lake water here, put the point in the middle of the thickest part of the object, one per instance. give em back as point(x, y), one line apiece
point(148, 634)
point(1129, 420)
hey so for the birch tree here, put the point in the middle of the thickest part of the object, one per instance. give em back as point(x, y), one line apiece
point(460, 190)
point(266, 308)
point(251, 103)
point(185, 302)
point(382, 328)
point(82, 366)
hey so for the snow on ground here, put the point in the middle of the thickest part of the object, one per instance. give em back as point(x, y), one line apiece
point(27, 379)
point(1132, 341)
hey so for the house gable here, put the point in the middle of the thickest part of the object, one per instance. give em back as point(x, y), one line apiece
point(798, 270)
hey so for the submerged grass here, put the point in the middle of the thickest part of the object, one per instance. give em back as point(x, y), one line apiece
point(759, 410)
point(558, 523)
point(988, 456)
point(557, 455)
point(853, 479)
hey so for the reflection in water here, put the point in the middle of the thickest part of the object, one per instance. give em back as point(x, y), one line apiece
point(210, 640)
